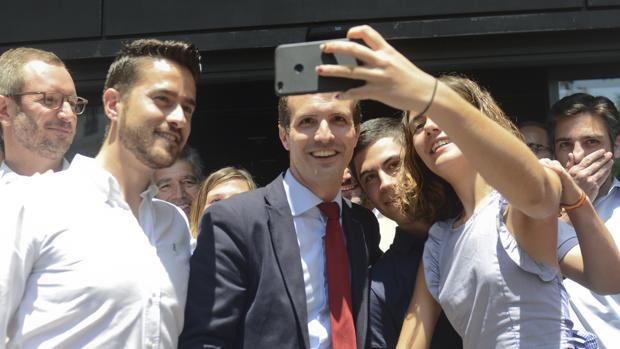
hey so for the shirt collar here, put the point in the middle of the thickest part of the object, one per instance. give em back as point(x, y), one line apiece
point(615, 185)
point(106, 182)
point(65, 164)
point(8, 175)
point(300, 198)
point(150, 192)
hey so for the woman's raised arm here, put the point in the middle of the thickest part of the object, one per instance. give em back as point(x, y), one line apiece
point(503, 160)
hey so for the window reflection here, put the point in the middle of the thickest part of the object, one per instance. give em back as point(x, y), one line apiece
point(609, 88)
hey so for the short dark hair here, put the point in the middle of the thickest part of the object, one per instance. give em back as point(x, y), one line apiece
point(125, 71)
point(284, 113)
point(532, 123)
point(374, 129)
point(580, 103)
point(193, 158)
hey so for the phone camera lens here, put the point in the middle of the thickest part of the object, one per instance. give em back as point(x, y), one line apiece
point(299, 68)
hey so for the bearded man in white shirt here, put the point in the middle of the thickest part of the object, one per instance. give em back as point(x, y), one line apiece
point(88, 257)
point(38, 112)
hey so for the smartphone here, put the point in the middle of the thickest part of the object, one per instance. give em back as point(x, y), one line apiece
point(295, 69)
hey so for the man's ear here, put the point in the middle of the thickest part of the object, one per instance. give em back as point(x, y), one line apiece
point(4, 110)
point(283, 137)
point(111, 103)
point(617, 147)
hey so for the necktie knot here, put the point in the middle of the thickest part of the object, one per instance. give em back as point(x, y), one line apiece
point(330, 209)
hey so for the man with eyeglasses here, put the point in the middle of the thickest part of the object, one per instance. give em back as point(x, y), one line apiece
point(179, 183)
point(88, 257)
point(38, 112)
point(536, 137)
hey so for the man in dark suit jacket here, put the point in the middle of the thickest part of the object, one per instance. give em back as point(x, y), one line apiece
point(258, 275)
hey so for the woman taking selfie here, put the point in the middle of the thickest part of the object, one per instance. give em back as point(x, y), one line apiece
point(490, 260)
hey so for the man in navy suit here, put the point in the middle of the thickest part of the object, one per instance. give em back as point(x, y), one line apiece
point(259, 275)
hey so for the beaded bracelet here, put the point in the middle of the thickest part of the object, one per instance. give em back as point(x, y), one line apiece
point(578, 204)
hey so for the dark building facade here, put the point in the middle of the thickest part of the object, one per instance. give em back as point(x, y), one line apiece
point(527, 52)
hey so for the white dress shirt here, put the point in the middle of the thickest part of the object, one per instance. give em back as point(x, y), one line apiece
point(78, 270)
point(595, 313)
point(7, 175)
point(310, 229)
point(387, 230)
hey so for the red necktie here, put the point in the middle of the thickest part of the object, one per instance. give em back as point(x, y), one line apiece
point(338, 284)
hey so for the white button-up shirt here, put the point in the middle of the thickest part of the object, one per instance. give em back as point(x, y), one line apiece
point(78, 270)
point(7, 175)
point(310, 229)
point(595, 313)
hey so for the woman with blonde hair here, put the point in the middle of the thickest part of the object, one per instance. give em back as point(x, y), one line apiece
point(219, 185)
point(490, 260)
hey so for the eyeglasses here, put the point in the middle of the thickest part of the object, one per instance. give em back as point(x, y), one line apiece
point(55, 100)
point(539, 148)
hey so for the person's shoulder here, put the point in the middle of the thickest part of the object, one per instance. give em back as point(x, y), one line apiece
point(241, 207)
point(37, 188)
point(38, 205)
point(361, 212)
point(396, 262)
point(614, 193)
point(172, 221)
point(364, 216)
point(162, 207)
point(242, 218)
point(243, 201)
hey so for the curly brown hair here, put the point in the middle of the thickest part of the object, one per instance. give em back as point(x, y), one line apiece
point(423, 195)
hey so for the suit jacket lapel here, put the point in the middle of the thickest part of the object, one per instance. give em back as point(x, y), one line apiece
point(358, 264)
point(286, 250)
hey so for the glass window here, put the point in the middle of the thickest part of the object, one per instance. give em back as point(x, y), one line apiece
point(609, 88)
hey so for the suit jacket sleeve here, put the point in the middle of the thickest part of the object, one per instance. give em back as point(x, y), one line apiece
point(217, 292)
